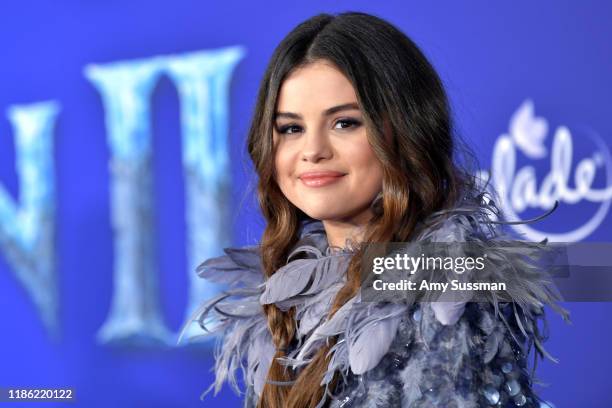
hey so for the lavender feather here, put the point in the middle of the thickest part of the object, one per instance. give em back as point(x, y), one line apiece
point(312, 277)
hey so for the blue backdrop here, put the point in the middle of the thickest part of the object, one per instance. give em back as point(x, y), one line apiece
point(145, 114)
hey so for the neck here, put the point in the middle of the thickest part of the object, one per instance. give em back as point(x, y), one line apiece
point(338, 231)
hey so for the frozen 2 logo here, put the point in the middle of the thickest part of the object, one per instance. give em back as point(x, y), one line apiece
point(519, 188)
point(27, 222)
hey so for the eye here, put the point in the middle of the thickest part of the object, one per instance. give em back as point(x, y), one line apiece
point(288, 129)
point(347, 123)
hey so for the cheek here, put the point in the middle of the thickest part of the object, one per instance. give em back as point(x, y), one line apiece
point(283, 167)
point(366, 164)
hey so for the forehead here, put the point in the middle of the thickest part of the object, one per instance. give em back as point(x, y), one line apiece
point(316, 86)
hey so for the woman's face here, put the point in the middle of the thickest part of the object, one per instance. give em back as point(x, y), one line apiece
point(324, 163)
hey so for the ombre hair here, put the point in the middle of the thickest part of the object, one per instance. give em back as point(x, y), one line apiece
point(408, 122)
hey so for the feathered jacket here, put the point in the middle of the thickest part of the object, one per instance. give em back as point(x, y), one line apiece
point(400, 354)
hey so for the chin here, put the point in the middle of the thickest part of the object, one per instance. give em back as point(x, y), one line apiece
point(317, 215)
point(320, 214)
point(326, 215)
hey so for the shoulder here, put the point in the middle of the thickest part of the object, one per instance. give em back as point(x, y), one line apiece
point(480, 360)
point(467, 354)
point(236, 316)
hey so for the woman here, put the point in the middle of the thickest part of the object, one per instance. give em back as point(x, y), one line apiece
point(352, 142)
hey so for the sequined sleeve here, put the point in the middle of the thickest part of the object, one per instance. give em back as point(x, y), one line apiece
point(476, 362)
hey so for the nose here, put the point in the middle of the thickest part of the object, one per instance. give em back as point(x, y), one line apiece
point(316, 147)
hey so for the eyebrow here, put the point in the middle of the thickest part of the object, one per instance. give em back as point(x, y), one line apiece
point(326, 112)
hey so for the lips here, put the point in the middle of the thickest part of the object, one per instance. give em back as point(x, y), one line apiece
point(320, 178)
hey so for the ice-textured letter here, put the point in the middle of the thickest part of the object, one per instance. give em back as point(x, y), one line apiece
point(27, 227)
point(202, 79)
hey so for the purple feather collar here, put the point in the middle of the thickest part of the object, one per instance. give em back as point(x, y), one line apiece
point(310, 280)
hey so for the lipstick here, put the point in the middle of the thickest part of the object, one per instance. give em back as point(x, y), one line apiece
point(320, 178)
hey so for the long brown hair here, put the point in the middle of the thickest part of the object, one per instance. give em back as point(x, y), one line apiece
point(407, 116)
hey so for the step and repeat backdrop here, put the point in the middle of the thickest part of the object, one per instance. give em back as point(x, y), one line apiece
point(123, 165)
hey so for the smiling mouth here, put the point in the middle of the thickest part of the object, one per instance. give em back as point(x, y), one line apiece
point(320, 181)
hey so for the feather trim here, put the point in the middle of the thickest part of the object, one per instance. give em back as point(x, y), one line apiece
point(313, 276)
